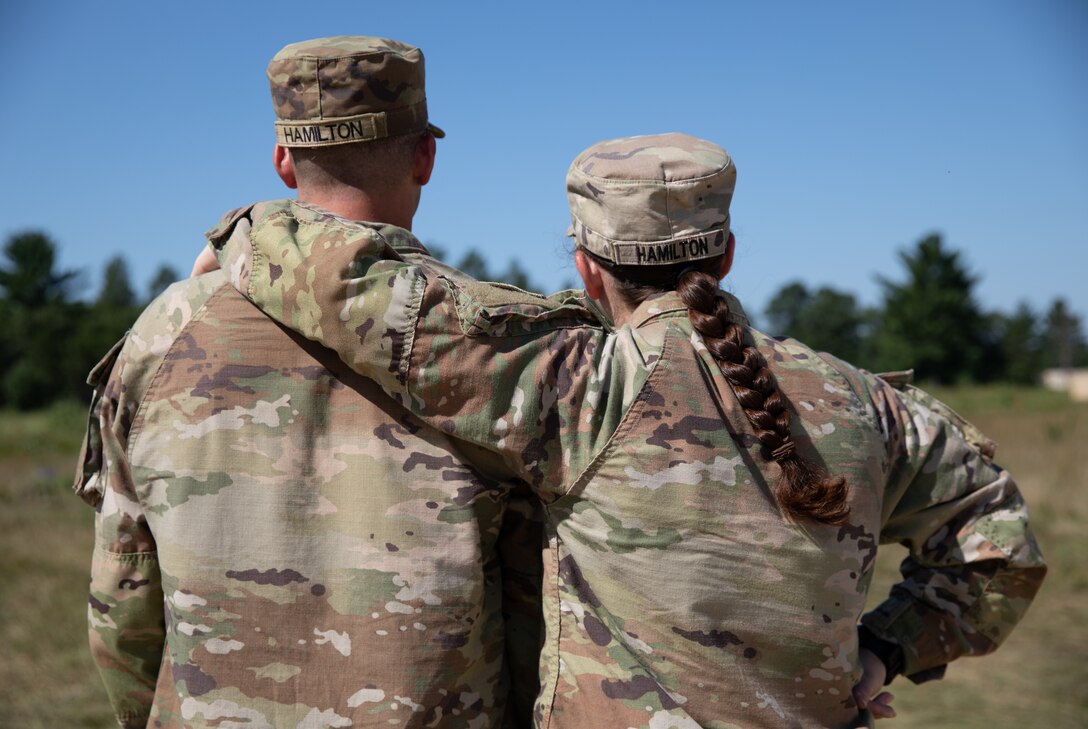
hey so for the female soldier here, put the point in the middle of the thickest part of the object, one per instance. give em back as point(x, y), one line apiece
point(715, 496)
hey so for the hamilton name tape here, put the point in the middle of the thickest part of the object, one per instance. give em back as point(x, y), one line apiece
point(345, 131)
point(676, 250)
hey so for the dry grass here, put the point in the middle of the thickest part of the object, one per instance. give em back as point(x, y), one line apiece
point(47, 678)
point(1037, 679)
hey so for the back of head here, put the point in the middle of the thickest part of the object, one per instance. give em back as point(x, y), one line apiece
point(654, 212)
point(651, 201)
point(349, 108)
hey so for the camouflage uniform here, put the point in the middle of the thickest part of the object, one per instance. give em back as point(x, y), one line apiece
point(676, 595)
point(278, 542)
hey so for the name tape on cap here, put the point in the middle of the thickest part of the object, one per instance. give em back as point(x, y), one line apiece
point(695, 248)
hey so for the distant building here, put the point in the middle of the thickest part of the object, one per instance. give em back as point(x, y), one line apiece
point(1071, 380)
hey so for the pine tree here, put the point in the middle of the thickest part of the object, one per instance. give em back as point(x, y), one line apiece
point(1063, 337)
point(931, 322)
point(1021, 345)
point(29, 278)
point(116, 290)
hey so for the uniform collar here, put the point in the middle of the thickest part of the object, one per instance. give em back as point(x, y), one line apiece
point(669, 306)
point(401, 239)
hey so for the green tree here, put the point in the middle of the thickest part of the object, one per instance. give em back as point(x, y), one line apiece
point(51, 343)
point(105, 323)
point(826, 320)
point(1021, 344)
point(786, 309)
point(44, 369)
point(1063, 337)
point(116, 290)
point(28, 276)
point(517, 276)
point(475, 265)
point(38, 321)
point(930, 321)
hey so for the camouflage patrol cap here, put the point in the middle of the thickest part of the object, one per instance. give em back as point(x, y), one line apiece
point(653, 200)
point(347, 89)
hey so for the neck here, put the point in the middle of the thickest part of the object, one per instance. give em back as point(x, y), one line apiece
point(613, 304)
point(354, 204)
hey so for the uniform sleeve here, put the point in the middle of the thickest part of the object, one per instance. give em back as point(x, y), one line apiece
point(529, 378)
point(125, 605)
point(973, 565)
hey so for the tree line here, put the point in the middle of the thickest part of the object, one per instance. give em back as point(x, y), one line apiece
point(928, 320)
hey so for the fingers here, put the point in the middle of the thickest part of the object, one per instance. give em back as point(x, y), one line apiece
point(881, 706)
point(205, 262)
point(873, 673)
point(867, 687)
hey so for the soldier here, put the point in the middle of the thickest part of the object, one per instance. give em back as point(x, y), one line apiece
point(715, 496)
point(278, 542)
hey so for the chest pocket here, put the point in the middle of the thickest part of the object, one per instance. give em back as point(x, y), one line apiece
point(496, 309)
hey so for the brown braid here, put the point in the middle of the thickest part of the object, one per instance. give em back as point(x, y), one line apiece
point(805, 490)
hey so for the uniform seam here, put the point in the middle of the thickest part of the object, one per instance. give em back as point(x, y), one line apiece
point(554, 689)
point(127, 556)
point(646, 181)
point(630, 419)
point(404, 367)
point(419, 291)
point(255, 256)
point(139, 419)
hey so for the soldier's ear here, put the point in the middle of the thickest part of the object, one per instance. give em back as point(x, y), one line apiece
point(727, 259)
point(423, 159)
point(285, 166)
point(590, 271)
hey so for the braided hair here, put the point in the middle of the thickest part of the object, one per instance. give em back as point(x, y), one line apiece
point(805, 491)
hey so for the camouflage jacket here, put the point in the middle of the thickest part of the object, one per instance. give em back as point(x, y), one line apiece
point(281, 544)
point(675, 593)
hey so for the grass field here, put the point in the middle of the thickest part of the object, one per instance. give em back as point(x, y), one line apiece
point(1038, 679)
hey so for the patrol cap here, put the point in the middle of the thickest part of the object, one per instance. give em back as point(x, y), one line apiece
point(651, 201)
point(347, 89)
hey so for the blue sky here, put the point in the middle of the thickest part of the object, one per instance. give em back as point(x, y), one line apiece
point(857, 127)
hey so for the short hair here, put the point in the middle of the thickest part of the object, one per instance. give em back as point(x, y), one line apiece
point(372, 166)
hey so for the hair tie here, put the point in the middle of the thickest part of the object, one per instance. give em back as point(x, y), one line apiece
point(680, 274)
point(783, 451)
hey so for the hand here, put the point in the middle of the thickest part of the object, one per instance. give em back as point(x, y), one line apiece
point(867, 693)
point(206, 262)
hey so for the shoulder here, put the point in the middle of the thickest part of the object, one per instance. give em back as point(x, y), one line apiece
point(816, 374)
point(124, 375)
point(169, 313)
point(160, 326)
point(489, 308)
point(496, 309)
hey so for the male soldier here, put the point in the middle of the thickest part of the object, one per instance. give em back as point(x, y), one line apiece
point(278, 542)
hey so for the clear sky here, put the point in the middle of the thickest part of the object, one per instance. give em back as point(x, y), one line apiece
point(857, 127)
